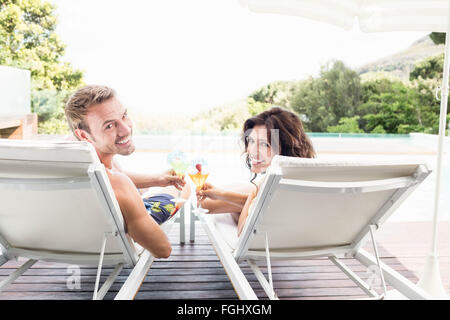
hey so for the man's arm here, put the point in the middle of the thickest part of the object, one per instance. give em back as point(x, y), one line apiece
point(140, 226)
point(152, 180)
point(141, 180)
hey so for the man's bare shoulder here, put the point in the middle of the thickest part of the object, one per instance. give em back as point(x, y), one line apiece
point(116, 165)
point(121, 184)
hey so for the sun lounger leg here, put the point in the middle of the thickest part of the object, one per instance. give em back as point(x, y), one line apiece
point(192, 230)
point(182, 225)
point(13, 276)
point(267, 286)
point(375, 249)
point(99, 268)
point(234, 272)
point(237, 277)
point(269, 268)
point(108, 282)
point(134, 280)
point(137, 275)
point(396, 280)
point(3, 259)
point(354, 277)
point(3, 256)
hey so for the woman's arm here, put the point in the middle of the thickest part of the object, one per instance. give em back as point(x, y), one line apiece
point(225, 199)
point(244, 213)
point(220, 206)
point(231, 197)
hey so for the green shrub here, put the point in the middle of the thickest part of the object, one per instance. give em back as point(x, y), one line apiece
point(53, 126)
point(378, 129)
point(346, 125)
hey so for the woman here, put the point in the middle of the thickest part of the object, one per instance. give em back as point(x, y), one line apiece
point(272, 132)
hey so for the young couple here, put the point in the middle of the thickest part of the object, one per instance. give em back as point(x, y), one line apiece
point(96, 115)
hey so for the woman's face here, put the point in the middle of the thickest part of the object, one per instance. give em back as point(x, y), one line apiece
point(259, 149)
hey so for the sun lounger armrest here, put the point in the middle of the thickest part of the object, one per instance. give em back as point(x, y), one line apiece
point(346, 187)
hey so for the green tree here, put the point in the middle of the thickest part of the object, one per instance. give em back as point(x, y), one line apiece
point(226, 118)
point(428, 68)
point(438, 37)
point(28, 40)
point(425, 78)
point(346, 125)
point(256, 107)
point(378, 130)
point(428, 107)
point(323, 101)
point(47, 103)
point(276, 93)
point(397, 107)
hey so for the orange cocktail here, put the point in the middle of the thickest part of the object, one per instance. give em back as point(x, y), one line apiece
point(198, 179)
point(198, 176)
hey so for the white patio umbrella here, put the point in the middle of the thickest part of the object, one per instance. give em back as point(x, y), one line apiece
point(383, 16)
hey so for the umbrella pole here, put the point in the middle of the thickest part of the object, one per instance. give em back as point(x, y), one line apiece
point(431, 280)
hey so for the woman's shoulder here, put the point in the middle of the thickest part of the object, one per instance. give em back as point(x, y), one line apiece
point(259, 179)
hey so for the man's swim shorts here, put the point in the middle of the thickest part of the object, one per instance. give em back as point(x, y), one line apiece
point(159, 206)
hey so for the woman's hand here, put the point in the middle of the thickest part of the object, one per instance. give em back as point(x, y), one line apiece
point(209, 191)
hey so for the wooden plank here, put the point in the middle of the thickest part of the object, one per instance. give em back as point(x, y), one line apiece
point(173, 286)
point(184, 269)
point(216, 285)
point(194, 272)
point(224, 292)
point(201, 278)
point(48, 295)
point(227, 294)
point(414, 262)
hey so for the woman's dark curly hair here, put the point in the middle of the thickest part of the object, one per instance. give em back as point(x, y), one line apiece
point(293, 141)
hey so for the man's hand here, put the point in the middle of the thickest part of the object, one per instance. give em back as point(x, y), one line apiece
point(170, 178)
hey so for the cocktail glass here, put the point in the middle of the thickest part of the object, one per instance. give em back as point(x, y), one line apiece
point(179, 163)
point(198, 173)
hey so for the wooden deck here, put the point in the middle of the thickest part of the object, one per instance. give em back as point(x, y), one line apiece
point(194, 272)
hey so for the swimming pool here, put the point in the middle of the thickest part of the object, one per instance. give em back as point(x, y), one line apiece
point(224, 155)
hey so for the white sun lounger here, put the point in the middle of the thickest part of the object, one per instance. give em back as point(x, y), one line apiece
point(309, 208)
point(56, 204)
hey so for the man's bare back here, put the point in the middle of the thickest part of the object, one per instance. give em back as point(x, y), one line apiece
point(95, 115)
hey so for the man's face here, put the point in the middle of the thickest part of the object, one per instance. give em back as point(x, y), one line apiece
point(111, 128)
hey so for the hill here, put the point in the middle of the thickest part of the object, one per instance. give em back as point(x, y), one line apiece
point(400, 64)
point(230, 117)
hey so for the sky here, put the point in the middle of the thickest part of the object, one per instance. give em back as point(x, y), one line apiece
point(186, 56)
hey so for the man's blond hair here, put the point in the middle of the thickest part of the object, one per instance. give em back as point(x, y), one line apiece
point(79, 103)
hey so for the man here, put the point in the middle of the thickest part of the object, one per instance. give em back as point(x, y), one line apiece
point(96, 115)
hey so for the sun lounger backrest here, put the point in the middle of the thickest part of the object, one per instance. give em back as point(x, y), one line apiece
point(56, 197)
point(308, 204)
